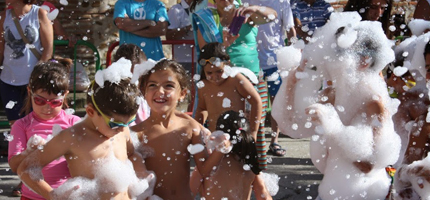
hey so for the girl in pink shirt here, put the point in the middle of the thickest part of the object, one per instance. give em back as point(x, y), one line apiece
point(47, 91)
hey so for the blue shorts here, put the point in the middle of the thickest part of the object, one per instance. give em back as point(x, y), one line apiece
point(16, 94)
point(272, 85)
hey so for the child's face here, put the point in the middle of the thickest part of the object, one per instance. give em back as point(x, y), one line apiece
point(163, 91)
point(214, 73)
point(45, 105)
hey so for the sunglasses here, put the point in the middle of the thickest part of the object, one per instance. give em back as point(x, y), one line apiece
point(40, 101)
point(108, 121)
point(213, 60)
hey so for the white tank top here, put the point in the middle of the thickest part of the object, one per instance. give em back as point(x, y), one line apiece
point(19, 61)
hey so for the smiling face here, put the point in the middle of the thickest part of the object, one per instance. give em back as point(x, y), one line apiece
point(376, 9)
point(214, 73)
point(46, 106)
point(163, 91)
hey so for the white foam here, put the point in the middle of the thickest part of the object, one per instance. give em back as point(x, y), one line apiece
point(114, 73)
point(193, 149)
point(141, 69)
point(418, 26)
point(271, 180)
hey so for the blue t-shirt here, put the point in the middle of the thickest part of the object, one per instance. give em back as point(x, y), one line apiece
point(149, 10)
point(312, 16)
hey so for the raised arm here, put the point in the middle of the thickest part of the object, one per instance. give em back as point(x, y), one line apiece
point(258, 14)
point(204, 163)
point(46, 33)
point(247, 90)
point(35, 161)
point(136, 159)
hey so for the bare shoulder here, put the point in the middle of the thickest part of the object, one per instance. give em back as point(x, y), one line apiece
point(188, 121)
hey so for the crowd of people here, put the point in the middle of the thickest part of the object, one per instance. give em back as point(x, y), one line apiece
point(334, 77)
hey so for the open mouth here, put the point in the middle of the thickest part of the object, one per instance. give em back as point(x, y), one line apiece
point(160, 100)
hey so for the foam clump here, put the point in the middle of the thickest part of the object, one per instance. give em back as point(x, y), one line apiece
point(414, 58)
point(287, 63)
point(114, 73)
point(418, 26)
point(233, 71)
point(414, 176)
point(216, 141)
point(111, 176)
point(271, 180)
point(141, 69)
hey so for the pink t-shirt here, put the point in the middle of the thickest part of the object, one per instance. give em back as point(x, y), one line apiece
point(56, 172)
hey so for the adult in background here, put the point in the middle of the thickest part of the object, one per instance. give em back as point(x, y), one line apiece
point(142, 22)
point(180, 29)
point(271, 37)
point(309, 15)
point(373, 10)
point(17, 58)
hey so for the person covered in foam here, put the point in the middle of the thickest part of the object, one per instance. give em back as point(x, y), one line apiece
point(412, 180)
point(98, 150)
point(352, 133)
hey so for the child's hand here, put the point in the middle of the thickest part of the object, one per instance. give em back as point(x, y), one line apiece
point(220, 141)
point(228, 38)
point(34, 142)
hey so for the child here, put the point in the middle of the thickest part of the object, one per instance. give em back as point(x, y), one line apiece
point(220, 94)
point(131, 52)
point(98, 149)
point(137, 57)
point(46, 99)
point(240, 165)
point(169, 132)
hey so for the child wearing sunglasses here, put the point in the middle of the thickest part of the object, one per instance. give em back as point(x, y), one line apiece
point(172, 136)
point(47, 89)
point(98, 150)
point(219, 92)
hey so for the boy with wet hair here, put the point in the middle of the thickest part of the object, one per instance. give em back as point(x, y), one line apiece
point(98, 150)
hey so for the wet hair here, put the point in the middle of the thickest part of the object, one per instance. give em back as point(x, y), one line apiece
point(237, 126)
point(175, 67)
point(359, 5)
point(427, 49)
point(214, 49)
point(112, 98)
point(30, 1)
point(194, 4)
point(52, 77)
point(131, 52)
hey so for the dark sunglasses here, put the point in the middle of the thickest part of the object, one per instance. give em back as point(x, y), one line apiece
point(40, 101)
point(213, 60)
